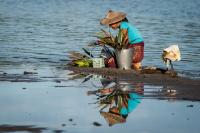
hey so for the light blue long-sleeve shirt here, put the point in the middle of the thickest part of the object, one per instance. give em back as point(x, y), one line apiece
point(133, 34)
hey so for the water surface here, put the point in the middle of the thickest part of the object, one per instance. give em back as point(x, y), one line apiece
point(37, 35)
point(42, 32)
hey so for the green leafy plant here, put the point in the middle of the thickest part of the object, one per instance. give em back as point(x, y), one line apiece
point(116, 42)
point(80, 60)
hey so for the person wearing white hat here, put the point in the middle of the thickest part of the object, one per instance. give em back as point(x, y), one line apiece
point(118, 20)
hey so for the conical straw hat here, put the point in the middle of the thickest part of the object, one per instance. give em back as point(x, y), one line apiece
point(112, 118)
point(112, 17)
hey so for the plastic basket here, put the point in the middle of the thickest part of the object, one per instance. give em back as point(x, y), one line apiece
point(98, 63)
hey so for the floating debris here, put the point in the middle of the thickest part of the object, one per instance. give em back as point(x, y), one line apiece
point(61, 86)
point(58, 131)
point(57, 81)
point(63, 125)
point(96, 124)
point(190, 106)
point(171, 92)
point(28, 73)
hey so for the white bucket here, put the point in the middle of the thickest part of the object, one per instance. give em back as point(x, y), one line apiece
point(124, 58)
point(98, 62)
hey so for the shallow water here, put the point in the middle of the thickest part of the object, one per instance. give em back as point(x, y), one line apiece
point(36, 36)
point(42, 32)
point(72, 106)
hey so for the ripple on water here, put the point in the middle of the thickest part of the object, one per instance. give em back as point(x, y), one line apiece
point(42, 31)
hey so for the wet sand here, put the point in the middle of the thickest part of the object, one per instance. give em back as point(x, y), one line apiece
point(189, 89)
point(24, 128)
point(186, 89)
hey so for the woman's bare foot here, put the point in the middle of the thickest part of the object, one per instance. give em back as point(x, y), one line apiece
point(137, 66)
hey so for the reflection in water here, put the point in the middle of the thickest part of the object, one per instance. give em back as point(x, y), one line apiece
point(117, 99)
point(110, 84)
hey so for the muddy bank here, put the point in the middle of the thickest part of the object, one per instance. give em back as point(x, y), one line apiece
point(23, 128)
point(19, 77)
point(188, 89)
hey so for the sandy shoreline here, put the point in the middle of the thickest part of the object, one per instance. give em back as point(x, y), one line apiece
point(189, 89)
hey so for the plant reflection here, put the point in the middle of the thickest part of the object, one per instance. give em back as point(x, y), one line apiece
point(117, 99)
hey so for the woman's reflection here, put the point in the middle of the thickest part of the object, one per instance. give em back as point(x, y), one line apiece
point(117, 99)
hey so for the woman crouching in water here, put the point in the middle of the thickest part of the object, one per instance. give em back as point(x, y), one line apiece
point(132, 37)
